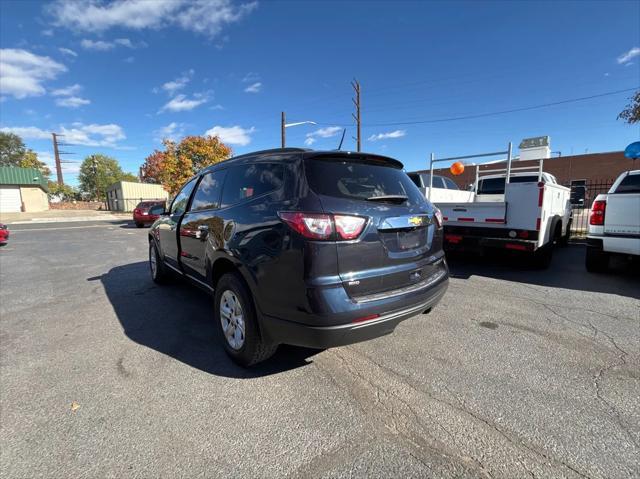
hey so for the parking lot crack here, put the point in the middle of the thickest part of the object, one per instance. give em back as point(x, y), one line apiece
point(464, 409)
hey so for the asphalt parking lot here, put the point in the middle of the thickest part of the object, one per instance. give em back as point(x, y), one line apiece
point(517, 373)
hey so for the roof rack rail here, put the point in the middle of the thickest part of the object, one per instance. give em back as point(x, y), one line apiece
point(273, 151)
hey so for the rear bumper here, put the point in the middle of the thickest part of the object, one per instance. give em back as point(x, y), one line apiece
point(282, 331)
point(456, 242)
point(615, 244)
point(144, 218)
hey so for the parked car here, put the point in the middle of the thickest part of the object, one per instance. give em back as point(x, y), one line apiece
point(141, 215)
point(4, 234)
point(302, 247)
point(614, 223)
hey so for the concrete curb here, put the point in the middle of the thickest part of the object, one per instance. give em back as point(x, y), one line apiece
point(72, 219)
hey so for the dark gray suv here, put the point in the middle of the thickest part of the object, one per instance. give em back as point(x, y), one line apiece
point(301, 247)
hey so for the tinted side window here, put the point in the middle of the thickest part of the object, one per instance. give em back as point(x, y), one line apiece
point(246, 181)
point(437, 182)
point(630, 184)
point(207, 195)
point(450, 184)
point(179, 204)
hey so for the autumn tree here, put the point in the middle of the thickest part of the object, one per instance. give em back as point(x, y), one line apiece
point(631, 113)
point(98, 172)
point(180, 161)
point(151, 169)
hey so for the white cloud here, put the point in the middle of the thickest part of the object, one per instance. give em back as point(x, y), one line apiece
point(327, 132)
point(251, 78)
point(47, 33)
point(67, 91)
point(77, 134)
point(233, 135)
point(182, 103)
point(254, 87)
point(310, 141)
point(68, 51)
point(626, 57)
point(129, 60)
point(69, 97)
point(173, 131)
point(207, 17)
point(96, 45)
point(93, 135)
point(172, 86)
point(72, 101)
point(22, 73)
point(103, 46)
point(386, 136)
point(27, 132)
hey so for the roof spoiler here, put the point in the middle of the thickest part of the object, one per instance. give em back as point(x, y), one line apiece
point(350, 155)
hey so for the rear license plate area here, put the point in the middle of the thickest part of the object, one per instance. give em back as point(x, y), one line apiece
point(404, 240)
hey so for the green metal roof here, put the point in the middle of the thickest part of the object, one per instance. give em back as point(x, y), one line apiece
point(12, 175)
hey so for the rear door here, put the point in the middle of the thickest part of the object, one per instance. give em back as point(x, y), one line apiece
point(396, 247)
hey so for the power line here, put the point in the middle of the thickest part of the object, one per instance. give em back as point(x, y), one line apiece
point(494, 113)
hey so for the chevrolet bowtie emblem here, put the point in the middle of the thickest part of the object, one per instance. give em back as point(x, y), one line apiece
point(415, 220)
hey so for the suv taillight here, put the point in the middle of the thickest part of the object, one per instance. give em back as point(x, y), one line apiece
point(597, 213)
point(136, 211)
point(322, 227)
point(437, 214)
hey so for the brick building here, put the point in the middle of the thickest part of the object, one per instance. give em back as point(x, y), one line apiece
point(592, 167)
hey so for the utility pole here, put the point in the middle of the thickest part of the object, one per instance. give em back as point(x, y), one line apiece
point(356, 101)
point(282, 129)
point(57, 157)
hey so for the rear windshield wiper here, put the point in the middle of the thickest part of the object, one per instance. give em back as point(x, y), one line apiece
point(389, 198)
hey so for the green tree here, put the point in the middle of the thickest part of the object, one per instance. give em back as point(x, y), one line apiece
point(98, 172)
point(14, 153)
point(631, 113)
point(30, 160)
point(12, 149)
point(64, 192)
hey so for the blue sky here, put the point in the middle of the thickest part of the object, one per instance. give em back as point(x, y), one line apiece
point(117, 77)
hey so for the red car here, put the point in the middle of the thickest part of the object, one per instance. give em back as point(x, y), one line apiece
point(141, 216)
point(4, 234)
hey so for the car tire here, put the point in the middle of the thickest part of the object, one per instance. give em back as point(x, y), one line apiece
point(236, 320)
point(159, 272)
point(564, 238)
point(542, 258)
point(139, 225)
point(596, 261)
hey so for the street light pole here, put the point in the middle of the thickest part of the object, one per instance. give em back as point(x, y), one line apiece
point(284, 126)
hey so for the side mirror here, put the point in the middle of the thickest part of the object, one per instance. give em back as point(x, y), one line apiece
point(157, 210)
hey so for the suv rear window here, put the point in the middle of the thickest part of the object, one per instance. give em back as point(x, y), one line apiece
point(630, 184)
point(495, 186)
point(356, 180)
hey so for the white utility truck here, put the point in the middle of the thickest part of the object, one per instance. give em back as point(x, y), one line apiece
point(518, 208)
point(442, 189)
point(614, 223)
